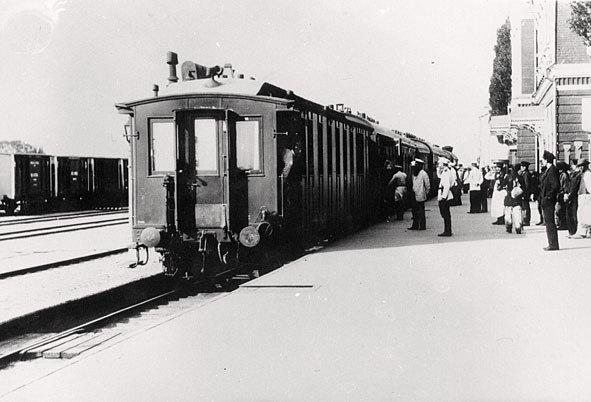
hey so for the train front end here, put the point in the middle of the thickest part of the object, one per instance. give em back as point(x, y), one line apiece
point(198, 179)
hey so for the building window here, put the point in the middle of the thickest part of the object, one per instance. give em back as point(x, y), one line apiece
point(162, 146)
point(206, 146)
point(248, 145)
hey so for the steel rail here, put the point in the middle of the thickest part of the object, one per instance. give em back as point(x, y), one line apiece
point(61, 263)
point(59, 217)
point(20, 351)
point(61, 229)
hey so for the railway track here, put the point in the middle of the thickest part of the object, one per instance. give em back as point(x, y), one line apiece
point(117, 323)
point(8, 221)
point(60, 228)
point(61, 263)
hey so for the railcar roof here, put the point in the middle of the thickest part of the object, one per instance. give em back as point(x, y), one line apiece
point(246, 87)
point(217, 87)
point(23, 154)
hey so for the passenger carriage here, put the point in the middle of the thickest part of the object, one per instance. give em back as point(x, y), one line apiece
point(208, 184)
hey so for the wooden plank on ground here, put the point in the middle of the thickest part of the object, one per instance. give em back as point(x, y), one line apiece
point(55, 352)
point(38, 351)
point(89, 344)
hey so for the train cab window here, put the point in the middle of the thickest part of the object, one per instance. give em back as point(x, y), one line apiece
point(248, 145)
point(162, 146)
point(206, 146)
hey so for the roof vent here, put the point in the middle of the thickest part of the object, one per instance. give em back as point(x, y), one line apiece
point(172, 60)
point(193, 71)
point(228, 72)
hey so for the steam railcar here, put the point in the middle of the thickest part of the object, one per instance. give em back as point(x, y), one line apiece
point(227, 172)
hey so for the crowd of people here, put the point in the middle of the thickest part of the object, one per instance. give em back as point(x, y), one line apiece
point(561, 192)
point(404, 191)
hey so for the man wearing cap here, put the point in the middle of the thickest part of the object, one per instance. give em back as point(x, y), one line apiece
point(550, 187)
point(420, 187)
point(398, 185)
point(526, 184)
point(447, 179)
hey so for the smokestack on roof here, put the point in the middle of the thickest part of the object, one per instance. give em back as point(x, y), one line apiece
point(172, 60)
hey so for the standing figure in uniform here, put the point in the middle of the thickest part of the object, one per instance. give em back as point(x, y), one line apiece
point(564, 180)
point(550, 186)
point(525, 179)
point(420, 188)
point(447, 179)
point(397, 186)
point(484, 191)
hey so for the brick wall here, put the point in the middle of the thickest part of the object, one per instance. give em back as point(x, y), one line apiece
point(570, 46)
point(526, 146)
point(569, 120)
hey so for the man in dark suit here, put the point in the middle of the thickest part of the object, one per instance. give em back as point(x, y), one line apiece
point(526, 186)
point(548, 194)
point(572, 197)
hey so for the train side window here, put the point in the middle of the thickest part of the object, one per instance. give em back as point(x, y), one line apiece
point(318, 122)
point(206, 146)
point(329, 125)
point(338, 146)
point(360, 151)
point(162, 146)
point(248, 144)
point(310, 143)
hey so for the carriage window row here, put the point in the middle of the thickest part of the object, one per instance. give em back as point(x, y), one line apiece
point(163, 146)
point(353, 145)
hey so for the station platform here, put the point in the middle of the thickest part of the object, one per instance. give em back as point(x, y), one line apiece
point(386, 314)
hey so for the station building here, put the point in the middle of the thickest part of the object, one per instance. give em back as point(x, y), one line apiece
point(551, 83)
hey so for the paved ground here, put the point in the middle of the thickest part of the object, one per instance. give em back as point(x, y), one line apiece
point(384, 315)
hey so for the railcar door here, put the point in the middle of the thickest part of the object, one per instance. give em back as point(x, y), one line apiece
point(208, 181)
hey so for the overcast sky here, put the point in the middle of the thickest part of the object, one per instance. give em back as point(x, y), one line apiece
point(417, 66)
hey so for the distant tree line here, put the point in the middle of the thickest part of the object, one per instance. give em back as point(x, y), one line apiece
point(500, 82)
point(19, 147)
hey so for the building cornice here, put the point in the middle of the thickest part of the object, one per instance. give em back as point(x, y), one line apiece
point(563, 77)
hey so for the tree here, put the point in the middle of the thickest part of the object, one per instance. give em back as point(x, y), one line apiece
point(580, 21)
point(500, 81)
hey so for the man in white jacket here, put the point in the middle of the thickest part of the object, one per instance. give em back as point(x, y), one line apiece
point(475, 180)
point(446, 181)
